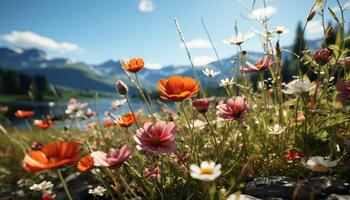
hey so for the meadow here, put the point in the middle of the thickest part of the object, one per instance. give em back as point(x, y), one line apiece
point(202, 146)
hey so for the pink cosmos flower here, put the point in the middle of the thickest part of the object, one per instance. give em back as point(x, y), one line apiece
point(201, 105)
point(234, 109)
point(344, 90)
point(260, 65)
point(151, 172)
point(156, 137)
point(112, 157)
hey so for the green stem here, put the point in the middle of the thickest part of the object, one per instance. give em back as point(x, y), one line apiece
point(213, 135)
point(64, 185)
point(127, 100)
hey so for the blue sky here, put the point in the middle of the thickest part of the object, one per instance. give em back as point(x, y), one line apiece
point(94, 31)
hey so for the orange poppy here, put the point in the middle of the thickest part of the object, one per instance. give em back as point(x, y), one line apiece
point(178, 88)
point(134, 65)
point(86, 163)
point(127, 119)
point(108, 124)
point(24, 113)
point(44, 124)
point(53, 155)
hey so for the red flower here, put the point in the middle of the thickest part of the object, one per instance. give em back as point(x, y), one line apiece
point(109, 123)
point(344, 90)
point(44, 124)
point(48, 196)
point(24, 113)
point(127, 119)
point(322, 57)
point(260, 65)
point(151, 172)
point(293, 154)
point(201, 105)
point(86, 163)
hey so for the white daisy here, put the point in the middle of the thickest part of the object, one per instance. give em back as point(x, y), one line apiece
point(276, 130)
point(43, 186)
point(226, 82)
point(210, 73)
point(319, 164)
point(297, 86)
point(207, 171)
point(97, 191)
point(280, 29)
point(239, 39)
point(198, 125)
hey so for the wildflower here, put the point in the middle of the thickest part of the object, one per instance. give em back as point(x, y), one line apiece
point(112, 157)
point(127, 119)
point(37, 146)
point(300, 117)
point(319, 164)
point(151, 172)
point(297, 86)
point(198, 125)
point(210, 73)
point(121, 87)
point(51, 104)
point(134, 65)
point(156, 137)
point(280, 29)
point(86, 163)
point(89, 112)
point(24, 113)
point(239, 39)
point(109, 123)
point(117, 103)
point(182, 158)
point(260, 65)
point(293, 154)
point(44, 124)
point(323, 56)
point(97, 191)
point(171, 116)
point(207, 171)
point(178, 88)
point(276, 130)
point(201, 105)
point(53, 155)
point(344, 90)
point(226, 82)
point(48, 196)
point(234, 109)
point(43, 186)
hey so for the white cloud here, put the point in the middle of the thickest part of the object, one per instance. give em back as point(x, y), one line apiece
point(153, 65)
point(314, 27)
point(261, 13)
point(29, 39)
point(345, 6)
point(200, 61)
point(146, 6)
point(197, 43)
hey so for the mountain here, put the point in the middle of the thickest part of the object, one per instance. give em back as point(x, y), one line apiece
point(79, 75)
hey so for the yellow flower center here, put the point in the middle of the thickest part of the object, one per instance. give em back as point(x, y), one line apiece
point(320, 168)
point(53, 160)
point(207, 170)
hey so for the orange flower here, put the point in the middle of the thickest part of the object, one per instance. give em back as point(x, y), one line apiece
point(44, 124)
point(108, 124)
point(127, 119)
point(134, 65)
point(86, 163)
point(51, 156)
point(24, 113)
point(144, 121)
point(178, 88)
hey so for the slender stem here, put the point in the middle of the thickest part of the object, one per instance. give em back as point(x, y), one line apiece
point(127, 100)
point(148, 104)
point(212, 134)
point(64, 185)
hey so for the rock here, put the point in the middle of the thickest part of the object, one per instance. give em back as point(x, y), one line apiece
point(279, 187)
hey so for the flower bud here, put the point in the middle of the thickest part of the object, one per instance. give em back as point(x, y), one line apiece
point(322, 57)
point(121, 87)
point(311, 15)
point(201, 105)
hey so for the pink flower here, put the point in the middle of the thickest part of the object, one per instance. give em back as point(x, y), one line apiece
point(323, 56)
point(121, 87)
point(112, 157)
point(156, 137)
point(259, 66)
point(235, 108)
point(151, 172)
point(344, 90)
point(201, 105)
point(300, 117)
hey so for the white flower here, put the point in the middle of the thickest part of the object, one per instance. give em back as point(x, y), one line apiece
point(210, 73)
point(198, 125)
point(43, 186)
point(319, 164)
point(281, 29)
point(262, 13)
point(207, 171)
point(297, 86)
point(51, 104)
point(240, 38)
point(276, 130)
point(226, 82)
point(117, 103)
point(238, 196)
point(97, 191)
